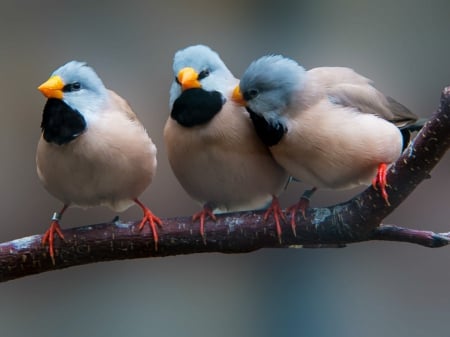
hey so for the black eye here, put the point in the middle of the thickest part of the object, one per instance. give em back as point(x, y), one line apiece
point(177, 80)
point(251, 93)
point(203, 74)
point(75, 86)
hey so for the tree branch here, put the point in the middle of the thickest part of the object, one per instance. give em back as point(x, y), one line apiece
point(353, 221)
point(424, 238)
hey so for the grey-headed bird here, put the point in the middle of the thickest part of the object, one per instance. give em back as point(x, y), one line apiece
point(93, 149)
point(212, 146)
point(328, 127)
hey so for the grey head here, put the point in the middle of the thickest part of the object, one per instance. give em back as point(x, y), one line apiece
point(213, 74)
point(83, 89)
point(269, 83)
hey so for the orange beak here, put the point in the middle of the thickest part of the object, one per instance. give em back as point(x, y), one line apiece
point(188, 78)
point(52, 88)
point(237, 96)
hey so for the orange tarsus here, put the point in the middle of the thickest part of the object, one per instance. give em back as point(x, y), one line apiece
point(302, 205)
point(49, 235)
point(152, 220)
point(277, 213)
point(202, 215)
point(381, 181)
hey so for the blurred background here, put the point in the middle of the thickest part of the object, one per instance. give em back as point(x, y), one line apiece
point(366, 289)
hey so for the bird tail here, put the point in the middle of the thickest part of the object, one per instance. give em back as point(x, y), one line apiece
point(411, 128)
point(403, 117)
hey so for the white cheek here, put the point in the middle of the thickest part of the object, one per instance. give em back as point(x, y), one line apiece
point(91, 116)
point(261, 106)
point(90, 107)
point(209, 84)
point(221, 82)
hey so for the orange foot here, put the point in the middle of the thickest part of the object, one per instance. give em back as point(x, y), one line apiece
point(275, 210)
point(202, 215)
point(381, 181)
point(49, 235)
point(302, 205)
point(152, 220)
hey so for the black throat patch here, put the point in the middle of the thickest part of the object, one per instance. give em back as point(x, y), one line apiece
point(269, 133)
point(60, 123)
point(196, 106)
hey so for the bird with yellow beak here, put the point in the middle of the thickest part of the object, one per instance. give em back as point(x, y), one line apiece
point(93, 150)
point(211, 144)
point(328, 126)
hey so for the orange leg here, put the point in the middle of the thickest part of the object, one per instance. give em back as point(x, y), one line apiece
point(54, 228)
point(202, 215)
point(152, 220)
point(302, 205)
point(275, 210)
point(381, 181)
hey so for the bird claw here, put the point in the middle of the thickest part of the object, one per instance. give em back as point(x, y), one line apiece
point(302, 205)
point(49, 236)
point(277, 213)
point(152, 220)
point(380, 181)
point(201, 216)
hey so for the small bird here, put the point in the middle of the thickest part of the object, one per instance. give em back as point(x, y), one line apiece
point(212, 146)
point(93, 150)
point(328, 127)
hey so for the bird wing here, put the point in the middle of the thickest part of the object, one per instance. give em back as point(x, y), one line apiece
point(346, 87)
point(122, 105)
point(403, 117)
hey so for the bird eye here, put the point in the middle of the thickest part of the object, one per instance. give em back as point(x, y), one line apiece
point(177, 80)
point(203, 74)
point(75, 86)
point(252, 93)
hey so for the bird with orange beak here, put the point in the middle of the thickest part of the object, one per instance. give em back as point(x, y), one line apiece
point(211, 144)
point(93, 149)
point(328, 126)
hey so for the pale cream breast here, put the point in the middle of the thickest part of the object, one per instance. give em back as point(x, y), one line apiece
point(223, 162)
point(110, 164)
point(331, 146)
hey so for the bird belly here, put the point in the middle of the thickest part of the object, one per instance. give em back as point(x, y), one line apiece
point(338, 151)
point(88, 172)
point(224, 169)
point(225, 181)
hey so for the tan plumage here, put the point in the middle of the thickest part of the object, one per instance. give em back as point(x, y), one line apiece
point(338, 131)
point(110, 161)
point(328, 127)
point(224, 164)
point(110, 164)
point(220, 163)
point(348, 88)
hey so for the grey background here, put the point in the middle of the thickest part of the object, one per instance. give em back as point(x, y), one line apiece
point(367, 289)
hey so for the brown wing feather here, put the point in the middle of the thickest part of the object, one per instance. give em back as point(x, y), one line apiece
point(122, 105)
point(346, 87)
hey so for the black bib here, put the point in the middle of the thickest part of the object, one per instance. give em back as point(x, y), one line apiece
point(269, 133)
point(196, 106)
point(60, 123)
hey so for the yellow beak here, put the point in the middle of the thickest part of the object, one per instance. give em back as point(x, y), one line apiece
point(237, 96)
point(53, 87)
point(188, 78)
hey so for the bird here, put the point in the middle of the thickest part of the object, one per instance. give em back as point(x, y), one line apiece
point(93, 150)
point(211, 144)
point(328, 126)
